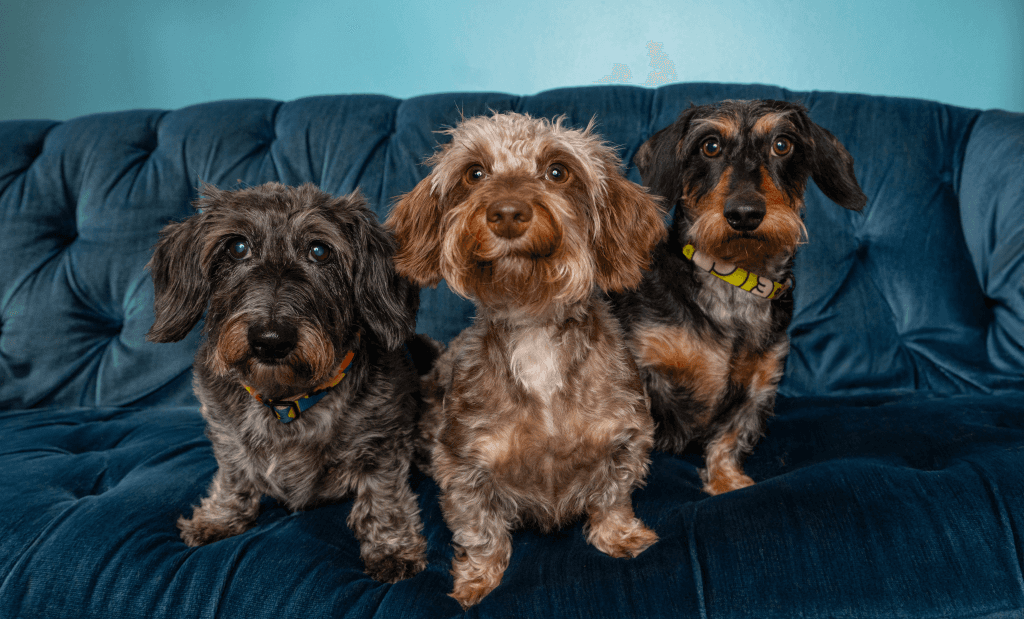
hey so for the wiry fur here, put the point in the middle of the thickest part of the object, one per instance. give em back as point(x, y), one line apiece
point(357, 441)
point(536, 413)
point(711, 354)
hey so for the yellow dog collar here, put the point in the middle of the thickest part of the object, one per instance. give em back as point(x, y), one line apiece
point(732, 274)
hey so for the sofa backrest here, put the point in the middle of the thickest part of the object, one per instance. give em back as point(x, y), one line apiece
point(923, 290)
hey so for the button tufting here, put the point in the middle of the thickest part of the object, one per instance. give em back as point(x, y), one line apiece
point(862, 250)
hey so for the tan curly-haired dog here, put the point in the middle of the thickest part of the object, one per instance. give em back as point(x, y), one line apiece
point(538, 415)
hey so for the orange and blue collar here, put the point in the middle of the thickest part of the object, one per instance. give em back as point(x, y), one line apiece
point(288, 410)
point(732, 274)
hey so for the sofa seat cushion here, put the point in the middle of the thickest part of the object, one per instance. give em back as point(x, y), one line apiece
point(878, 506)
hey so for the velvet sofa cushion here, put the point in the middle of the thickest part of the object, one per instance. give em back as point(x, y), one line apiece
point(891, 482)
point(866, 506)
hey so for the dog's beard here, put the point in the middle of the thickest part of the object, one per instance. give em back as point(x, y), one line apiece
point(310, 364)
point(544, 269)
point(780, 232)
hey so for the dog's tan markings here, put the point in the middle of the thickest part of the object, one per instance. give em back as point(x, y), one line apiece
point(686, 358)
point(232, 345)
point(766, 124)
point(723, 472)
point(781, 229)
point(757, 371)
point(727, 126)
point(711, 232)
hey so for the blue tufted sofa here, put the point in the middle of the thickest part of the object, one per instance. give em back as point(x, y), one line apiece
point(891, 481)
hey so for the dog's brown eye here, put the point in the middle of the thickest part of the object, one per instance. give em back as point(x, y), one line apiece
point(475, 174)
point(238, 249)
point(711, 147)
point(318, 252)
point(782, 146)
point(557, 173)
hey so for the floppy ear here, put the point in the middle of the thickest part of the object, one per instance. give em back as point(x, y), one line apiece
point(182, 289)
point(658, 159)
point(416, 224)
point(387, 301)
point(632, 223)
point(832, 169)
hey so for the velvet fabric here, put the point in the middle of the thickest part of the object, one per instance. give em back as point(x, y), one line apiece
point(890, 483)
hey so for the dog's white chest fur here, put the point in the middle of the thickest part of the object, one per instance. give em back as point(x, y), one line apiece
point(536, 362)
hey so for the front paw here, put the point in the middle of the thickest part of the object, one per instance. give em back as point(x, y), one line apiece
point(723, 482)
point(621, 537)
point(397, 564)
point(474, 577)
point(200, 532)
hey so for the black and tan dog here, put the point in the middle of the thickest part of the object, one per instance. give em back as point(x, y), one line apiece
point(708, 324)
point(306, 390)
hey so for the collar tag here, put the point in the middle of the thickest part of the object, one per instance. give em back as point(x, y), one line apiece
point(734, 275)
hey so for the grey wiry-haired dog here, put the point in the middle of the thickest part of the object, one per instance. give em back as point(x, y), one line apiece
point(304, 384)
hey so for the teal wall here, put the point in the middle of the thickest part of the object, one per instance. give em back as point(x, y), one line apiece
point(60, 58)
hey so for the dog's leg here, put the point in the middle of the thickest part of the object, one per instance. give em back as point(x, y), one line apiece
point(612, 526)
point(385, 518)
point(674, 409)
point(723, 459)
point(230, 507)
point(725, 452)
point(482, 539)
point(756, 378)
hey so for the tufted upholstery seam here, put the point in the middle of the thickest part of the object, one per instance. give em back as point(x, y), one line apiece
point(273, 120)
point(383, 201)
point(76, 289)
point(22, 172)
point(269, 145)
point(20, 282)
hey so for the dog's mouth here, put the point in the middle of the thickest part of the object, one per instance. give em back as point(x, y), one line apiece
point(278, 379)
point(746, 236)
point(525, 254)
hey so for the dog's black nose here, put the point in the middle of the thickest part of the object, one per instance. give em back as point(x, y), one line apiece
point(509, 218)
point(272, 341)
point(744, 214)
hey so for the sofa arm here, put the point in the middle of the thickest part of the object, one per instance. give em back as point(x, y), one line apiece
point(991, 192)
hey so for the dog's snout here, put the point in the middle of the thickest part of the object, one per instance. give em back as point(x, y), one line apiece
point(744, 213)
point(272, 341)
point(509, 218)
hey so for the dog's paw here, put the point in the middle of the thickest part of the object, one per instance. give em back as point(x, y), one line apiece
point(474, 577)
point(722, 483)
point(620, 538)
point(200, 532)
point(469, 592)
point(392, 565)
point(393, 568)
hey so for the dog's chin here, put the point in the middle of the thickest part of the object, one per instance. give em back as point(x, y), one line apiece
point(749, 250)
point(528, 283)
point(276, 380)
